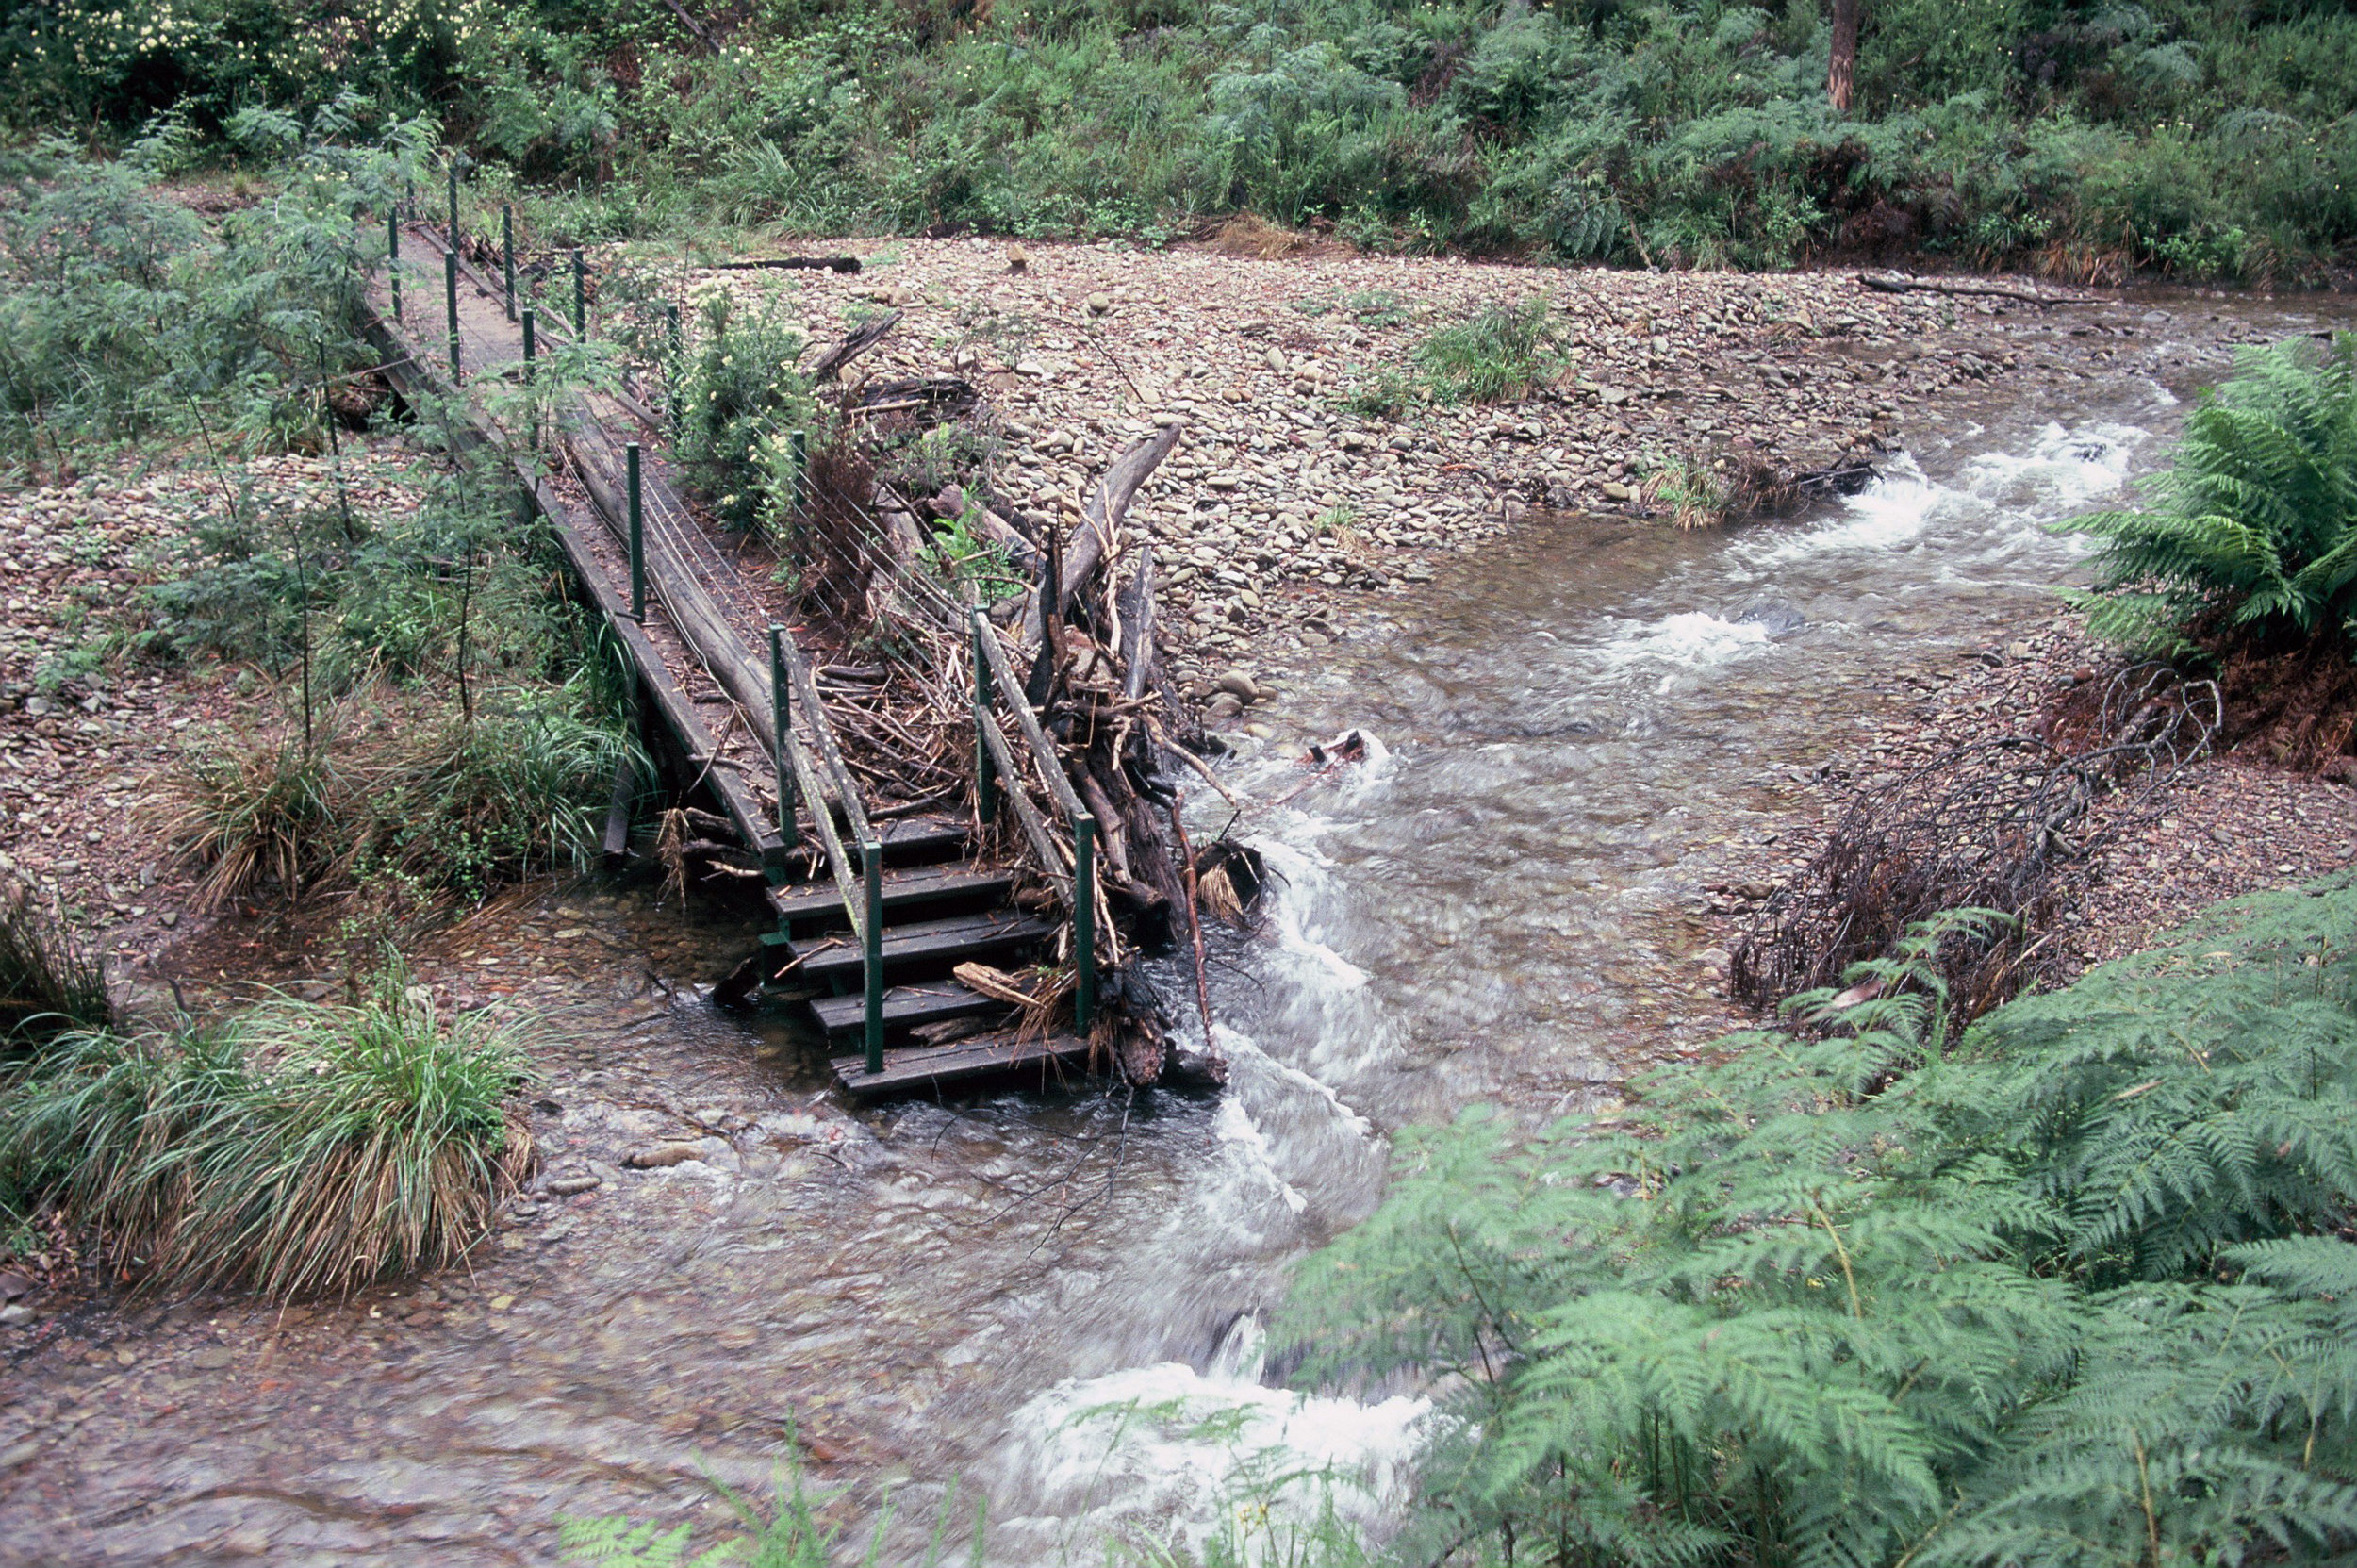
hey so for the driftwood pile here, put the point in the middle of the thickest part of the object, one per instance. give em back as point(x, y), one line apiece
point(2008, 825)
point(1081, 636)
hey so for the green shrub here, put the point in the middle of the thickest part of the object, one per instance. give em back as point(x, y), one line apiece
point(1502, 353)
point(299, 1150)
point(2253, 533)
point(740, 399)
point(2210, 142)
point(2074, 1289)
point(120, 312)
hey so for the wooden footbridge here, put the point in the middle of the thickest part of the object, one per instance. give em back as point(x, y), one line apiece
point(875, 913)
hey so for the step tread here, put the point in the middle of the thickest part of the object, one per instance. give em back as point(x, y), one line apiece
point(980, 1056)
point(811, 900)
point(911, 835)
point(957, 936)
point(905, 1007)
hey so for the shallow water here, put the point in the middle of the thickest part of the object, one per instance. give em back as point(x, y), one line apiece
point(1499, 907)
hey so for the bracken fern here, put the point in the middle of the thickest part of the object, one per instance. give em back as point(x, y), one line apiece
point(2073, 1288)
point(2253, 528)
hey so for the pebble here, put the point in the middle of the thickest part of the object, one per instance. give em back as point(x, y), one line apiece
point(660, 1156)
point(1260, 361)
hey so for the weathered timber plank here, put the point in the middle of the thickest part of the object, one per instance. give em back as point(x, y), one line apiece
point(905, 1006)
point(408, 374)
point(985, 1057)
point(923, 942)
point(907, 891)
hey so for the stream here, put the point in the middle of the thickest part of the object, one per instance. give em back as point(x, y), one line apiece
point(1041, 1299)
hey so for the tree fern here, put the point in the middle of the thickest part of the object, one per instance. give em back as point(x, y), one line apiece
point(2254, 526)
point(2069, 1290)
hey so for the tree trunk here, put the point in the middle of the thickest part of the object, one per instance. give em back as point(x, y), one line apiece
point(1842, 70)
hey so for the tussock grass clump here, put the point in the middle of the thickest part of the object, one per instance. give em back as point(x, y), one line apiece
point(1500, 355)
point(397, 782)
point(302, 1148)
point(258, 808)
point(48, 985)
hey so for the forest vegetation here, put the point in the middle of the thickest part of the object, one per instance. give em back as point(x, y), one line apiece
point(2194, 138)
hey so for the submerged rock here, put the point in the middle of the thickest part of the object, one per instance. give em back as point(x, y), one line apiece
point(1778, 619)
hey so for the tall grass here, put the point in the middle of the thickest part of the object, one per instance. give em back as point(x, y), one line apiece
point(48, 985)
point(399, 782)
point(302, 1148)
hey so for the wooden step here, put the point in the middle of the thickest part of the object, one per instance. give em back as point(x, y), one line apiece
point(937, 944)
point(911, 840)
point(797, 902)
point(1034, 1063)
point(905, 1007)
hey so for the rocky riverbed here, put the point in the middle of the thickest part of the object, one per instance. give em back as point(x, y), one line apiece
point(1289, 489)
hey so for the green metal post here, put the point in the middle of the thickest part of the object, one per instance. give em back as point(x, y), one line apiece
point(450, 303)
point(581, 300)
point(871, 871)
point(985, 765)
point(638, 538)
point(393, 255)
point(531, 321)
point(508, 253)
point(453, 207)
point(798, 442)
point(1083, 920)
point(782, 718)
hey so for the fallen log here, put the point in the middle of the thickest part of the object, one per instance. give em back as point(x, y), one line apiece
point(787, 264)
point(1894, 283)
point(831, 363)
point(928, 400)
point(1099, 519)
point(702, 33)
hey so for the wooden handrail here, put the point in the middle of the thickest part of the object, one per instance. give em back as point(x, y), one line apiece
point(995, 680)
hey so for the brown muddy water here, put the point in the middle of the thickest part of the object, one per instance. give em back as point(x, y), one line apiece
point(1576, 727)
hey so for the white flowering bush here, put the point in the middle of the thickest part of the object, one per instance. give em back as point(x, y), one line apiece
point(739, 397)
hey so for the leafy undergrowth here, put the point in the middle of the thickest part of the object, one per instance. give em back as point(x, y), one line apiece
point(2075, 1288)
point(2199, 140)
point(300, 1149)
point(791, 1534)
point(1497, 355)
